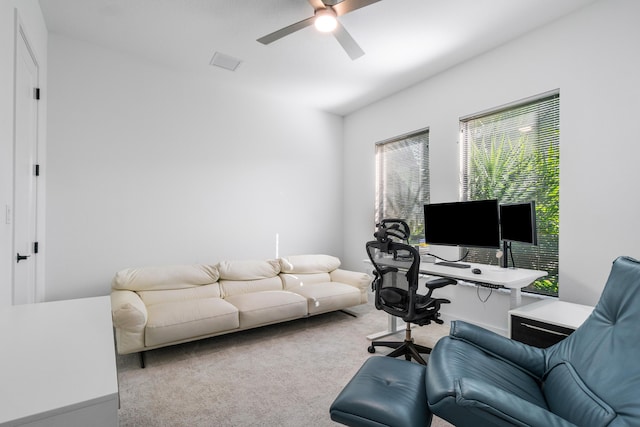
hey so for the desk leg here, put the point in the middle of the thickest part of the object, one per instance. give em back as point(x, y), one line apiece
point(515, 298)
point(392, 328)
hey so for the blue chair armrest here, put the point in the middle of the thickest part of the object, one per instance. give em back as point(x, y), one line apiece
point(528, 358)
point(492, 402)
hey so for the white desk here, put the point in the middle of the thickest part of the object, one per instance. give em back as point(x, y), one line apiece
point(58, 365)
point(513, 279)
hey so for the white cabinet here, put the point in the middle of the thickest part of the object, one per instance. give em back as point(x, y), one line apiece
point(58, 365)
point(546, 322)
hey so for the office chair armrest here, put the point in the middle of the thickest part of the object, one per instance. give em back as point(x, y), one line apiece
point(528, 358)
point(440, 282)
point(492, 402)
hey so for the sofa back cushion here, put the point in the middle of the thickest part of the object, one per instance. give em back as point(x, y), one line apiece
point(248, 270)
point(239, 287)
point(241, 277)
point(292, 281)
point(309, 264)
point(173, 295)
point(164, 277)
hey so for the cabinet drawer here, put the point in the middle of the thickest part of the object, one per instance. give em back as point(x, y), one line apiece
point(536, 333)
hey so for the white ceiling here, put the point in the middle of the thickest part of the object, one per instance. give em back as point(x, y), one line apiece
point(405, 41)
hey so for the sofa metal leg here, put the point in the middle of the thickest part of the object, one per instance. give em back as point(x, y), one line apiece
point(142, 354)
point(349, 312)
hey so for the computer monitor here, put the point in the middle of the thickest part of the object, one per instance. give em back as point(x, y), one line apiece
point(518, 222)
point(472, 224)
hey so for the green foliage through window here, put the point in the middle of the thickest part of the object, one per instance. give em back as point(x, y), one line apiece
point(513, 155)
point(402, 180)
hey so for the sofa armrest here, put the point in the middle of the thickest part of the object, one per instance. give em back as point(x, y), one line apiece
point(526, 357)
point(488, 400)
point(129, 316)
point(355, 279)
point(128, 310)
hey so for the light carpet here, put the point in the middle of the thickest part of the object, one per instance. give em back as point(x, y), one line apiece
point(280, 375)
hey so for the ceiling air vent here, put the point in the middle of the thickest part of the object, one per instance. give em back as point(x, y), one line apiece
point(224, 61)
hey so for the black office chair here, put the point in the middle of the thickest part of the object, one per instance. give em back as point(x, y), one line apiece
point(395, 285)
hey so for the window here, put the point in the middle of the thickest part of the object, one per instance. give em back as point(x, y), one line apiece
point(512, 154)
point(402, 180)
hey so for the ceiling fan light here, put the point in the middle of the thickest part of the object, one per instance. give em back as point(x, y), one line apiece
point(325, 20)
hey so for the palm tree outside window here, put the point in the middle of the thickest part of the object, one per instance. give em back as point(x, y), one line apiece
point(513, 154)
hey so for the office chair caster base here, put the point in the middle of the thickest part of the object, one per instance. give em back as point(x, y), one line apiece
point(408, 349)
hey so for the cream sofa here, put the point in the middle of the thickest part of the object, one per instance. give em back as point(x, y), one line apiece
point(154, 307)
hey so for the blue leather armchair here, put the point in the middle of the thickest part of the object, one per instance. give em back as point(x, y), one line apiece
point(477, 378)
point(592, 378)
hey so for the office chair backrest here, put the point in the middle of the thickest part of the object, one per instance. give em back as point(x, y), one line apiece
point(593, 376)
point(392, 229)
point(396, 277)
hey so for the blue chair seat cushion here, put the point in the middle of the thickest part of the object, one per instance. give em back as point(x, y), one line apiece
point(466, 382)
point(384, 392)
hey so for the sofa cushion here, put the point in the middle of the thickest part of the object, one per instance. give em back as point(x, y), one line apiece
point(239, 287)
point(329, 296)
point(248, 270)
point(292, 282)
point(309, 264)
point(188, 319)
point(170, 295)
point(164, 277)
point(263, 308)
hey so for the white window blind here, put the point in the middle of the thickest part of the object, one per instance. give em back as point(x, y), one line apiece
point(513, 154)
point(402, 180)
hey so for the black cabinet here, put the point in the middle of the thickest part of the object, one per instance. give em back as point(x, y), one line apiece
point(538, 334)
point(546, 322)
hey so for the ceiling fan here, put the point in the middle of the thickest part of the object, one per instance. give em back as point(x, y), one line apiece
point(324, 18)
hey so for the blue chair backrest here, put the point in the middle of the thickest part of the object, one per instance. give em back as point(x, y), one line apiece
point(593, 376)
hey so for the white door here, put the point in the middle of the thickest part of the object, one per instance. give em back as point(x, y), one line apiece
point(25, 160)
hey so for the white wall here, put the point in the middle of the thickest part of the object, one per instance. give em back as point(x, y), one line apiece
point(149, 166)
point(588, 56)
point(31, 18)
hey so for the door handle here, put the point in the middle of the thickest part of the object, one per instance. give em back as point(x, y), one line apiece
point(21, 257)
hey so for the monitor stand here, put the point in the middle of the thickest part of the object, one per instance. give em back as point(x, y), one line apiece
point(506, 253)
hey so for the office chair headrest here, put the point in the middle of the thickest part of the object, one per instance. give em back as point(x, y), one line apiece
point(390, 228)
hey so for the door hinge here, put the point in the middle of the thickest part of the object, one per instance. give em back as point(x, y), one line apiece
point(37, 170)
point(36, 93)
point(35, 247)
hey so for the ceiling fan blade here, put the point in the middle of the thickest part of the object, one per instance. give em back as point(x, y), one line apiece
point(347, 42)
point(350, 5)
point(317, 4)
point(282, 32)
